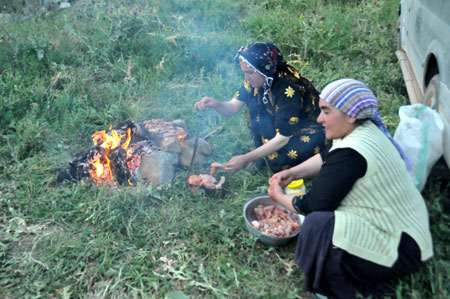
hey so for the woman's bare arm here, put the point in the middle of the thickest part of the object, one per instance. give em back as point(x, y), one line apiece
point(223, 108)
point(238, 162)
point(308, 168)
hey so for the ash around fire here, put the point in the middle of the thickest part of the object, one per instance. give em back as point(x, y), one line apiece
point(115, 157)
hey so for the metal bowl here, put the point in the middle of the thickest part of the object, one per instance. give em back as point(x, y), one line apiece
point(249, 216)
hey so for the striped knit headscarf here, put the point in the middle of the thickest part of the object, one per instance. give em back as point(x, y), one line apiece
point(357, 100)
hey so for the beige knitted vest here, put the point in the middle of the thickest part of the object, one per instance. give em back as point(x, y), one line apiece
point(382, 204)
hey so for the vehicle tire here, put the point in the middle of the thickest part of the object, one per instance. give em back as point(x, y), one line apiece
point(431, 96)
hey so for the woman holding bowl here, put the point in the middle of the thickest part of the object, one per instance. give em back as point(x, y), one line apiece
point(365, 221)
point(281, 109)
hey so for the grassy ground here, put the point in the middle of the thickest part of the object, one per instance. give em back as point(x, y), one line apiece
point(67, 73)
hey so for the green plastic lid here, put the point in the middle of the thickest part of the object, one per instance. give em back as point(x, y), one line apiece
point(295, 184)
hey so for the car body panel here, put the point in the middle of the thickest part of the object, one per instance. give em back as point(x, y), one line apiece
point(425, 39)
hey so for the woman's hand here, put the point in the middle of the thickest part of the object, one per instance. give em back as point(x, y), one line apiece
point(276, 193)
point(236, 163)
point(205, 102)
point(223, 108)
point(283, 177)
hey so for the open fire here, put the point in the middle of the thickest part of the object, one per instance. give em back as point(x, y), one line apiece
point(101, 163)
point(150, 149)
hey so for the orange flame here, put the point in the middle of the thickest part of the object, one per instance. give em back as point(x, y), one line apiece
point(181, 138)
point(108, 142)
point(127, 142)
point(98, 167)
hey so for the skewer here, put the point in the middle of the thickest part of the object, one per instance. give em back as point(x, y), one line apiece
point(193, 154)
point(213, 132)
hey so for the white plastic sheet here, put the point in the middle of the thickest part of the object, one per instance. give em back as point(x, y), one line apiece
point(420, 133)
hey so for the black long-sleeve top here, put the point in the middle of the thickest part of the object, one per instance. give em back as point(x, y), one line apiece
point(340, 170)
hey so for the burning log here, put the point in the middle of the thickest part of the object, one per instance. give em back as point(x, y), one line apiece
point(120, 168)
point(79, 168)
point(107, 160)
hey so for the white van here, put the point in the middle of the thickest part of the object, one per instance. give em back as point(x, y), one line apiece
point(424, 55)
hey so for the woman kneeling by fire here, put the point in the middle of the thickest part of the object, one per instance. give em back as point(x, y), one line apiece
point(365, 221)
point(281, 110)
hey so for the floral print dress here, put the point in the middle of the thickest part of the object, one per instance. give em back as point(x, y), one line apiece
point(293, 114)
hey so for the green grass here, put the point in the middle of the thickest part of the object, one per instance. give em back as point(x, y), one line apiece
point(62, 78)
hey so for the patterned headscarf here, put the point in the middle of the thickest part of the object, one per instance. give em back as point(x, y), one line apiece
point(357, 100)
point(264, 58)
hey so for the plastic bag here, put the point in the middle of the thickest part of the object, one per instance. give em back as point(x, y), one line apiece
point(420, 133)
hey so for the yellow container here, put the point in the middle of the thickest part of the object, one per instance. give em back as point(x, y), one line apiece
point(296, 187)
